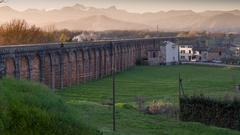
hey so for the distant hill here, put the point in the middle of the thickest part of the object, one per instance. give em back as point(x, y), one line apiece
point(225, 22)
point(92, 18)
point(99, 23)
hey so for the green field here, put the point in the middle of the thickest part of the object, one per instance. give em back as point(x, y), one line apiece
point(153, 83)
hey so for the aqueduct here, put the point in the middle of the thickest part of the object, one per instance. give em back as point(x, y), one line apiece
point(74, 63)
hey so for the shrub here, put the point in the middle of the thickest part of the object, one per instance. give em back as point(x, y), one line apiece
point(125, 106)
point(159, 107)
point(221, 113)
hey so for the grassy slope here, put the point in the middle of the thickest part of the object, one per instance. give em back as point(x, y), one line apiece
point(32, 109)
point(153, 83)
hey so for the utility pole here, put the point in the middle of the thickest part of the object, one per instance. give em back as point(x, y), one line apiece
point(113, 88)
point(180, 88)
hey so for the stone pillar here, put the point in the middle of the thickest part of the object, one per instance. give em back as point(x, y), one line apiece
point(2, 67)
point(103, 61)
point(86, 64)
point(17, 63)
point(42, 66)
point(97, 69)
point(81, 66)
point(30, 61)
point(108, 62)
point(77, 68)
point(92, 65)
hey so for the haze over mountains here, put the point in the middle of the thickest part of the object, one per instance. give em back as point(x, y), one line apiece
point(79, 17)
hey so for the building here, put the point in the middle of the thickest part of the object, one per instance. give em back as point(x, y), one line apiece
point(166, 54)
point(185, 52)
point(235, 49)
point(218, 53)
point(200, 54)
point(171, 53)
point(154, 57)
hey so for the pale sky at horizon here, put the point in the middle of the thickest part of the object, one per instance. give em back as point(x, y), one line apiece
point(130, 5)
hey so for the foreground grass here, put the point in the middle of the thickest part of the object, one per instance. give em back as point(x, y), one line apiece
point(154, 83)
point(28, 108)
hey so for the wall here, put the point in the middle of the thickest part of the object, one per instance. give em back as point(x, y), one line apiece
point(75, 63)
point(171, 53)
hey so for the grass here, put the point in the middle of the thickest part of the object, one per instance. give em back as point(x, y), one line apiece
point(154, 83)
point(32, 109)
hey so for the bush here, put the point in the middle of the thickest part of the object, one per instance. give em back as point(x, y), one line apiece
point(32, 109)
point(125, 106)
point(221, 113)
point(159, 107)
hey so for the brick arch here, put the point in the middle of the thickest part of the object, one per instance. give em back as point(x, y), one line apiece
point(36, 68)
point(10, 67)
point(103, 62)
point(92, 64)
point(86, 65)
point(73, 68)
point(48, 70)
point(98, 60)
point(24, 68)
point(124, 58)
point(100, 63)
point(127, 57)
point(56, 71)
point(67, 73)
point(80, 66)
point(108, 62)
point(118, 60)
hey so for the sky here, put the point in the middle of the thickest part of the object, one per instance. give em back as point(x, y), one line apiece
point(139, 6)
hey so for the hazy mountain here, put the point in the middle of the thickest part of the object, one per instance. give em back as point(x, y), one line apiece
point(225, 22)
point(108, 18)
point(99, 23)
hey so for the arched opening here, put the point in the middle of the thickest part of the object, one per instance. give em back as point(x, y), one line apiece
point(24, 68)
point(48, 70)
point(81, 66)
point(36, 68)
point(66, 70)
point(57, 71)
point(10, 67)
point(73, 68)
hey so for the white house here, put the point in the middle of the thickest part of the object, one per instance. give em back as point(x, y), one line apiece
point(185, 52)
point(171, 53)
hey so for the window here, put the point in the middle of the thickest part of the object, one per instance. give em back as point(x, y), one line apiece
point(154, 55)
point(182, 46)
point(190, 51)
point(182, 52)
point(182, 57)
point(220, 53)
point(200, 52)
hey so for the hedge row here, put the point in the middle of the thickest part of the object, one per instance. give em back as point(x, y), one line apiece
point(210, 111)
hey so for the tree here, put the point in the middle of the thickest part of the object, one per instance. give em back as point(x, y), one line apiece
point(19, 32)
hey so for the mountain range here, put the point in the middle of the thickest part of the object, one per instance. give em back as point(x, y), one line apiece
point(79, 17)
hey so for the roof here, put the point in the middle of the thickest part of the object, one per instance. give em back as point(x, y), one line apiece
point(218, 49)
point(200, 48)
